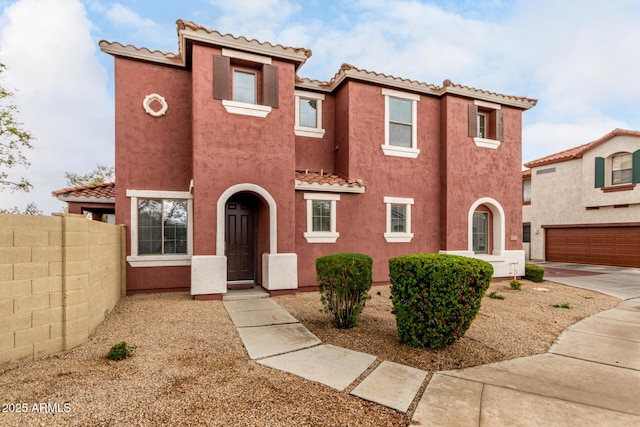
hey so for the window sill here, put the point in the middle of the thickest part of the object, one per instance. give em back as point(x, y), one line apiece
point(242, 108)
point(619, 187)
point(309, 132)
point(398, 237)
point(486, 143)
point(159, 260)
point(321, 237)
point(391, 150)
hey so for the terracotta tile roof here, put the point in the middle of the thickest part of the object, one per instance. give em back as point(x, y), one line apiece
point(104, 191)
point(526, 173)
point(351, 71)
point(197, 27)
point(577, 152)
point(304, 179)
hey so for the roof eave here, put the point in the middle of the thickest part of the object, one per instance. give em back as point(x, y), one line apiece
point(144, 54)
point(78, 199)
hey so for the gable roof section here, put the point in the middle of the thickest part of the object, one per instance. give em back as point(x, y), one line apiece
point(578, 152)
point(98, 193)
point(320, 181)
point(191, 31)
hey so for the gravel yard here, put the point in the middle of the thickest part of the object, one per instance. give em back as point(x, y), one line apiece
point(190, 367)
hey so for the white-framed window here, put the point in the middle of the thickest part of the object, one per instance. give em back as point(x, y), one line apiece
point(400, 124)
point(486, 124)
point(321, 217)
point(161, 228)
point(308, 114)
point(244, 86)
point(621, 168)
point(398, 227)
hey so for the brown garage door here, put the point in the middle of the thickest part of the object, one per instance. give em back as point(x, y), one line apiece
point(605, 245)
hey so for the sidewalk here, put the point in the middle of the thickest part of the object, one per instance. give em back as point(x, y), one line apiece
point(590, 376)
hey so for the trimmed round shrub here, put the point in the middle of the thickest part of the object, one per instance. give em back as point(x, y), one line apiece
point(344, 281)
point(533, 272)
point(436, 297)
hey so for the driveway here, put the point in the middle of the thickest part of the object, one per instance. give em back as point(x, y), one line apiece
point(620, 282)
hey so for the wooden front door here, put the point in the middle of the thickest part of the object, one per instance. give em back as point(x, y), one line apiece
point(240, 238)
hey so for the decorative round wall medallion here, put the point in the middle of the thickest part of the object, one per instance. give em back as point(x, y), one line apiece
point(155, 105)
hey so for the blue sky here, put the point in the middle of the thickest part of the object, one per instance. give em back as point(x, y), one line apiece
point(579, 59)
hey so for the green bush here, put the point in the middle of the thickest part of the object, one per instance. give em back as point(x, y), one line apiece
point(436, 297)
point(120, 351)
point(533, 272)
point(515, 285)
point(344, 281)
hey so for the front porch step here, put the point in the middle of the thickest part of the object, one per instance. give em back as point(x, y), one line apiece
point(253, 292)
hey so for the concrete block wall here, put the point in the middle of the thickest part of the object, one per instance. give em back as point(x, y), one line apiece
point(59, 277)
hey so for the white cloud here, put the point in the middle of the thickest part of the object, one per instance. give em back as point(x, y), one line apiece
point(61, 92)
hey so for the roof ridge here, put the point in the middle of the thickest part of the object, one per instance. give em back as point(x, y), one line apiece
point(83, 187)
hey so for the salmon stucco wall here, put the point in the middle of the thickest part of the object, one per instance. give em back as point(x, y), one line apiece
point(316, 154)
point(470, 173)
point(152, 153)
point(361, 218)
point(230, 149)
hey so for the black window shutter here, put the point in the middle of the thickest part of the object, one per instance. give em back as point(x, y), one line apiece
point(599, 178)
point(499, 125)
point(270, 85)
point(635, 165)
point(473, 120)
point(221, 69)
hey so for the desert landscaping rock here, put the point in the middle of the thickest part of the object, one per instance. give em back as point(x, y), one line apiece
point(190, 367)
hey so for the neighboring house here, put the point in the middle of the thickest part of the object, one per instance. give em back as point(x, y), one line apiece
point(99, 200)
point(234, 170)
point(582, 205)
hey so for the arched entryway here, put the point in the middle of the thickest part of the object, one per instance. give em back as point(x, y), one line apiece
point(486, 234)
point(246, 228)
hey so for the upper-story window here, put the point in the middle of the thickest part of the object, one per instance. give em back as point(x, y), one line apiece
point(401, 128)
point(244, 86)
point(621, 169)
point(486, 124)
point(246, 83)
point(308, 114)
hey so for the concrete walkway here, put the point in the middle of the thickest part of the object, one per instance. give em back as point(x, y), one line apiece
point(589, 377)
point(276, 339)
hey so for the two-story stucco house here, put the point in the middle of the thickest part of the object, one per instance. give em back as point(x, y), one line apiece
point(582, 205)
point(232, 169)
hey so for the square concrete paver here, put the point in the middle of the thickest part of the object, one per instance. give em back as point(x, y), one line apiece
point(326, 364)
point(250, 305)
point(276, 316)
point(392, 385)
point(449, 401)
point(263, 341)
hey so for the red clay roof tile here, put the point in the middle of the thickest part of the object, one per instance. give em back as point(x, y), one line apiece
point(106, 190)
point(328, 179)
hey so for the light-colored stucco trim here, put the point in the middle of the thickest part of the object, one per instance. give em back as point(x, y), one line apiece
point(245, 109)
point(220, 215)
point(336, 188)
point(498, 225)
